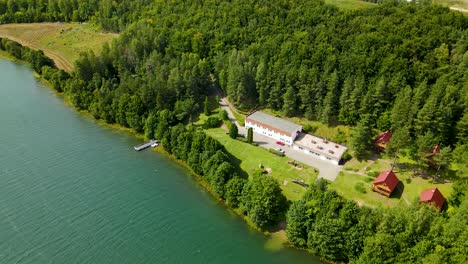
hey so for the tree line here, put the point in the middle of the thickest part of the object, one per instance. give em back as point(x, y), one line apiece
point(260, 198)
point(401, 65)
point(339, 230)
point(321, 221)
point(397, 66)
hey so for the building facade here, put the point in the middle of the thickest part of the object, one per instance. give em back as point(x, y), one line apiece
point(320, 147)
point(273, 127)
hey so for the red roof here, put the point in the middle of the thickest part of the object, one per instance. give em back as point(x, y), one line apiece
point(432, 196)
point(389, 178)
point(384, 137)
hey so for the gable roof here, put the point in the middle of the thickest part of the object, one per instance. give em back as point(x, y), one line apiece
point(274, 122)
point(384, 137)
point(389, 178)
point(432, 196)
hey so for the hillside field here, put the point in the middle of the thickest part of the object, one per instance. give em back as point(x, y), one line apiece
point(350, 4)
point(63, 42)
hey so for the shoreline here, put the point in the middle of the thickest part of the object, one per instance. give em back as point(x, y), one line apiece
point(278, 238)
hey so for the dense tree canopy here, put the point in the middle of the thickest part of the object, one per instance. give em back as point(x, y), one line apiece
point(402, 65)
point(398, 66)
point(339, 230)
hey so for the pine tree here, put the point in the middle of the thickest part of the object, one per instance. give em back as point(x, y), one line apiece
point(233, 132)
point(289, 101)
point(206, 106)
point(250, 135)
point(362, 137)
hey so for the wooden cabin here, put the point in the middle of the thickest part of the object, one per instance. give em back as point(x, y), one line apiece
point(432, 196)
point(382, 140)
point(385, 183)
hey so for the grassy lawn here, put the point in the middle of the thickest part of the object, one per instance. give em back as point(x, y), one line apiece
point(345, 186)
point(350, 4)
point(63, 42)
point(355, 165)
point(251, 156)
point(412, 185)
point(339, 133)
point(459, 4)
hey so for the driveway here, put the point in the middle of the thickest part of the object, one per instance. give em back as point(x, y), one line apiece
point(326, 169)
point(224, 103)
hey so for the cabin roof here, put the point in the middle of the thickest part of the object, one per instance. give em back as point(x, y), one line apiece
point(432, 196)
point(384, 137)
point(389, 178)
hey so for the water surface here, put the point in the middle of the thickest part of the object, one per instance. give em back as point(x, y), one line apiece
point(72, 191)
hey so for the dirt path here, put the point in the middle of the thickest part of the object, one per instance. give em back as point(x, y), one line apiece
point(10, 31)
point(459, 9)
point(363, 169)
point(60, 61)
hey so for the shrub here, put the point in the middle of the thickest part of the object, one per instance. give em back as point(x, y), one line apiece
point(242, 139)
point(360, 187)
point(223, 115)
point(276, 152)
point(367, 179)
point(212, 122)
point(309, 128)
point(346, 156)
point(373, 174)
point(233, 132)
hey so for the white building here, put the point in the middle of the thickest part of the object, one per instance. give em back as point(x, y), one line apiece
point(322, 148)
point(274, 127)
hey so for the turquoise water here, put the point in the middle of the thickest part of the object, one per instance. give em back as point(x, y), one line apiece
point(72, 191)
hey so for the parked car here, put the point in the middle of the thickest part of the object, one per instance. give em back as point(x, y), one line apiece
point(280, 150)
point(281, 143)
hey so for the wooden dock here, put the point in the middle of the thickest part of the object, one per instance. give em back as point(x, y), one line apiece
point(152, 143)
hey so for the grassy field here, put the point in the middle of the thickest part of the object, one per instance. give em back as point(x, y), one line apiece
point(63, 42)
point(350, 4)
point(355, 174)
point(337, 133)
point(460, 5)
point(251, 156)
point(345, 186)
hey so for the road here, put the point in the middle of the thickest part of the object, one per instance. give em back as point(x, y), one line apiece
point(326, 169)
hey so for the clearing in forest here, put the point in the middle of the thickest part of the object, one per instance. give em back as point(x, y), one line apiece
point(350, 4)
point(62, 42)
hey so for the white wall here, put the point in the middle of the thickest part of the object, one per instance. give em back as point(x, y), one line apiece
point(269, 133)
point(316, 154)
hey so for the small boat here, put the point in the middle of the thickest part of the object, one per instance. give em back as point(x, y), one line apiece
point(154, 145)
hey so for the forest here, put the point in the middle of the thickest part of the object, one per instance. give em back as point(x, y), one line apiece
point(399, 66)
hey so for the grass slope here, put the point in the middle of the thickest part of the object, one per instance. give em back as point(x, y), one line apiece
point(251, 156)
point(355, 174)
point(458, 5)
point(350, 4)
point(62, 42)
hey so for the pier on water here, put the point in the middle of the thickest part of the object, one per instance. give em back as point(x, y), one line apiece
point(152, 143)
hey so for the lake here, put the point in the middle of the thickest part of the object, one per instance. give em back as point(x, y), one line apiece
point(72, 191)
